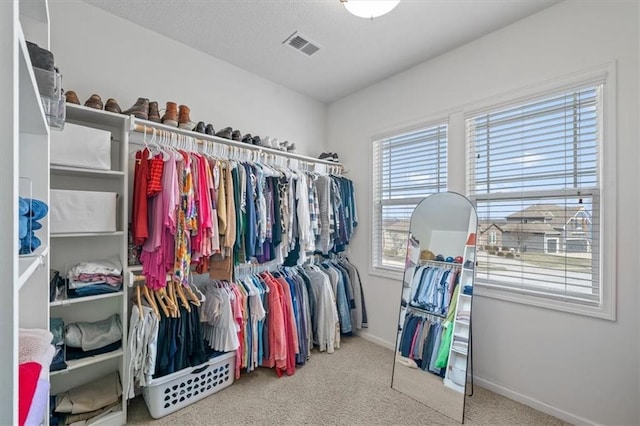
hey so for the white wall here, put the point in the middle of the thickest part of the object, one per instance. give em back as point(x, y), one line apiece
point(98, 52)
point(579, 368)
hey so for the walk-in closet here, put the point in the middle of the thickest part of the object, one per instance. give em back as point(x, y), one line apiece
point(319, 212)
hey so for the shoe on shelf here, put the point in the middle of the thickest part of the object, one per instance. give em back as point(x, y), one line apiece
point(256, 140)
point(94, 101)
point(291, 147)
point(282, 146)
point(170, 117)
point(154, 112)
point(209, 130)
point(266, 141)
point(335, 158)
point(184, 120)
point(140, 109)
point(199, 127)
point(274, 143)
point(247, 138)
point(112, 106)
point(72, 97)
point(327, 156)
point(236, 135)
point(225, 133)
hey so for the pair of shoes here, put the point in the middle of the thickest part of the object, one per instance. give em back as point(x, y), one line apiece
point(201, 128)
point(286, 146)
point(247, 139)
point(225, 133)
point(71, 97)
point(94, 101)
point(144, 110)
point(329, 156)
point(175, 116)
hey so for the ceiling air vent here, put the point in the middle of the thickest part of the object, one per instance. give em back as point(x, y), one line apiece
point(302, 44)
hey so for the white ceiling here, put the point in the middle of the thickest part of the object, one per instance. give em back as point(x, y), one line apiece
point(355, 52)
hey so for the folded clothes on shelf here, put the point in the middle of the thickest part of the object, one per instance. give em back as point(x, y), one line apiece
point(38, 404)
point(30, 211)
point(91, 396)
point(93, 335)
point(56, 325)
point(94, 290)
point(76, 353)
point(35, 346)
point(28, 374)
point(95, 277)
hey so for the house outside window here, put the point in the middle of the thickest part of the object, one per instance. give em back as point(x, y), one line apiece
point(407, 167)
point(535, 172)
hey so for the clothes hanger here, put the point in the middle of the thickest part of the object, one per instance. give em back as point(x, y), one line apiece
point(144, 140)
point(161, 304)
point(139, 300)
point(183, 298)
point(150, 300)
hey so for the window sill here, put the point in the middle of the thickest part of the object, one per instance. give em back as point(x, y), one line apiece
point(571, 308)
point(392, 274)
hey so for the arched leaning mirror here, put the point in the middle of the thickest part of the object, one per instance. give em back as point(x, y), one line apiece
point(434, 331)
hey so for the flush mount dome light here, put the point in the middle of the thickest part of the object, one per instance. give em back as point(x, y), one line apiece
point(369, 8)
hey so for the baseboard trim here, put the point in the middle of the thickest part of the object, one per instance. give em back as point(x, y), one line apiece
point(376, 340)
point(532, 402)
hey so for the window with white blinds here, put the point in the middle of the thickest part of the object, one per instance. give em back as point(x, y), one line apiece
point(534, 176)
point(406, 168)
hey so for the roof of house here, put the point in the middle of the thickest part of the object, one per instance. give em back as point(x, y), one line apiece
point(530, 228)
point(550, 213)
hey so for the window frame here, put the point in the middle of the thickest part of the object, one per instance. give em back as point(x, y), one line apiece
point(604, 75)
point(379, 270)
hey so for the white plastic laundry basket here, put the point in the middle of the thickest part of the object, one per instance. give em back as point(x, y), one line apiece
point(172, 392)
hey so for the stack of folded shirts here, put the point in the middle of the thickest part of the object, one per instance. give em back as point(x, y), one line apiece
point(34, 356)
point(464, 316)
point(87, 403)
point(96, 277)
point(30, 211)
point(84, 339)
point(56, 325)
point(460, 343)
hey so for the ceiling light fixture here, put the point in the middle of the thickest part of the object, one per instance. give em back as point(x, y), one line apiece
point(369, 8)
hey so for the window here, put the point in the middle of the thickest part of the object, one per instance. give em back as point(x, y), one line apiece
point(406, 168)
point(534, 171)
point(493, 238)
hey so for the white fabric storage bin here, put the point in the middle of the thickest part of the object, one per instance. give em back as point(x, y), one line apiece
point(82, 211)
point(80, 146)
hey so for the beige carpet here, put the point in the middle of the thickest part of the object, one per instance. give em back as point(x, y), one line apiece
point(351, 386)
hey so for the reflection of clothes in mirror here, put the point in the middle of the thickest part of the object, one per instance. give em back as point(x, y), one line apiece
point(431, 288)
point(421, 341)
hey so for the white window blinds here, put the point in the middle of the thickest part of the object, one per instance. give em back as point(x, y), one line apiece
point(406, 168)
point(534, 175)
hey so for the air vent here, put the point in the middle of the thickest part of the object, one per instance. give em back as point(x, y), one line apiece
point(302, 44)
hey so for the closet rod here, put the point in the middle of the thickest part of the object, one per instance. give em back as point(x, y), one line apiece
point(140, 126)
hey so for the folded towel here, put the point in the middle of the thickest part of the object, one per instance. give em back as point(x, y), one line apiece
point(28, 374)
point(39, 209)
point(23, 206)
point(39, 404)
point(23, 226)
point(30, 243)
point(35, 346)
point(94, 335)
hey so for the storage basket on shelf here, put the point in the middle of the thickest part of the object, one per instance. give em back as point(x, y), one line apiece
point(172, 392)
